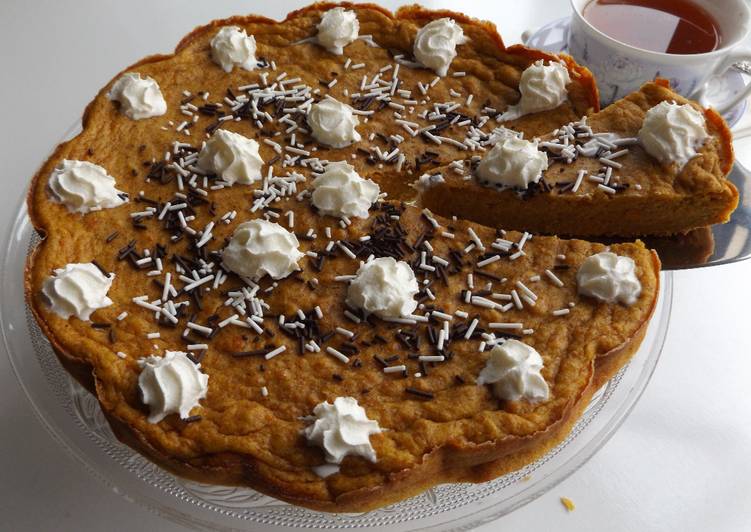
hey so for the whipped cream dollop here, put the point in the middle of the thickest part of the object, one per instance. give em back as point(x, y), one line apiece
point(77, 290)
point(333, 123)
point(138, 97)
point(542, 87)
point(610, 278)
point(231, 47)
point(342, 429)
point(340, 191)
point(84, 187)
point(384, 287)
point(512, 162)
point(436, 42)
point(513, 370)
point(672, 133)
point(259, 248)
point(171, 384)
point(231, 156)
point(338, 28)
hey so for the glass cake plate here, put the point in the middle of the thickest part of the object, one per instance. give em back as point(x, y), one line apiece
point(73, 418)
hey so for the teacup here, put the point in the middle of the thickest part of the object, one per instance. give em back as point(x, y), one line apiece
point(621, 68)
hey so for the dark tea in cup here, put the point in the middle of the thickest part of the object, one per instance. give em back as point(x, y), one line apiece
point(665, 26)
point(688, 42)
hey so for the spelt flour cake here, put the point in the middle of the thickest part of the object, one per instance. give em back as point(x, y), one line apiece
point(229, 266)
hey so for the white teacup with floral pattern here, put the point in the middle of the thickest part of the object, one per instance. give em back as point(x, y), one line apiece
point(621, 68)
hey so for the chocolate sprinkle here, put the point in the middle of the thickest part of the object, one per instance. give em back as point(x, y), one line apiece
point(419, 393)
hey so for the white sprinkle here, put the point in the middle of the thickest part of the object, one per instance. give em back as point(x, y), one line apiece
point(440, 260)
point(482, 302)
point(505, 326)
point(346, 250)
point(146, 305)
point(526, 236)
point(344, 332)
point(122, 316)
point(476, 239)
point(338, 354)
point(272, 354)
point(561, 312)
point(471, 329)
point(197, 347)
point(608, 162)
point(517, 301)
point(489, 260)
point(431, 358)
point(441, 315)
point(526, 290)
point(516, 255)
point(200, 328)
point(227, 321)
point(395, 369)
point(121, 355)
point(197, 283)
point(405, 321)
point(579, 179)
point(606, 189)
point(554, 278)
point(351, 316)
point(617, 154)
point(153, 335)
point(264, 391)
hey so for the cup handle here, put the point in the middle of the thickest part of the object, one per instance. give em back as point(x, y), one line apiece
point(727, 63)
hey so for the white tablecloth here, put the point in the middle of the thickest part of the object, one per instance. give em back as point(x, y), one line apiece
point(680, 462)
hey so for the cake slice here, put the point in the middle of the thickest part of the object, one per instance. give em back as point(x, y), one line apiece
point(615, 189)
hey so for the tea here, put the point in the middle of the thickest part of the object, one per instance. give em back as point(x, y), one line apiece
point(669, 26)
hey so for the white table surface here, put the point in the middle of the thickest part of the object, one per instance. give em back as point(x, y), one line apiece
point(680, 462)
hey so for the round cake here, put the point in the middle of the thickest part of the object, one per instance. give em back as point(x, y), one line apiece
point(233, 261)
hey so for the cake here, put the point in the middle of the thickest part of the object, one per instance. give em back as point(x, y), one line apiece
point(607, 183)
point(233, 272)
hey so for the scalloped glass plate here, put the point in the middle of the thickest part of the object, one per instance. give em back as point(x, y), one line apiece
point(74, 419)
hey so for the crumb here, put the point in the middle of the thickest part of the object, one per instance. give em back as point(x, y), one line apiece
point(568, 504)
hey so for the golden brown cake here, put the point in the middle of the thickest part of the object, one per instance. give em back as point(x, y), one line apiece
point(157, 191)
point(642, 196)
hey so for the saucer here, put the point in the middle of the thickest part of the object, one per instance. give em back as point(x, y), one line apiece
point(553, 37)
